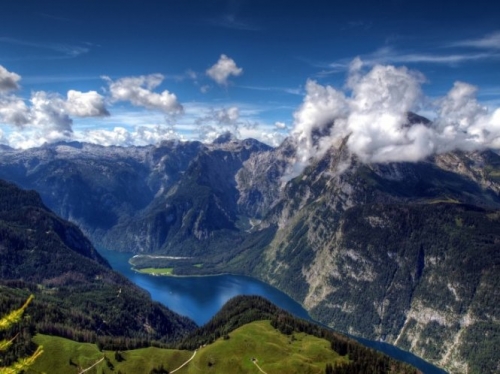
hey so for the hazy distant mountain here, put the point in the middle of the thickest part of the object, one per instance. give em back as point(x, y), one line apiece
point(403, 252)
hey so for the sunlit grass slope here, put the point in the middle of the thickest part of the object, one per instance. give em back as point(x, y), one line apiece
point(63, 356)
point(272, 351)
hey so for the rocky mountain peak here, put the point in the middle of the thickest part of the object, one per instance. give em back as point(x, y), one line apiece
point(225, 138)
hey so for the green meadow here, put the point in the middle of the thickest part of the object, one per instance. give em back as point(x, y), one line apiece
point(156, 271)
point(255, 343)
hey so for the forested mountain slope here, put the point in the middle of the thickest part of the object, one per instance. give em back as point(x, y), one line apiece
point(77, 295)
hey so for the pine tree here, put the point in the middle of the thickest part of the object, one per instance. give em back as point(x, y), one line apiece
point(7, 322)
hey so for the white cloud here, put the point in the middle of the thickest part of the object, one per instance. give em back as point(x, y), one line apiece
point(48, 113)
point(8, 80)
point(86, 104)
point(120, 136)
point(14, 111)
point(224, 68)
point(374, 118)
point(322, 105)
point(491, 41)
point(218, 122)
point(379, 105)
point(460, 107)
point(463, 123)
point(228, 116)
point(291, 91)
point(280, 125)
point(241, 121)
point(139, 91)
point(45, 117)
point(388, 55)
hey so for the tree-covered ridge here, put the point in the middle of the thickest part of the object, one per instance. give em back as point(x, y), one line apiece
point(24, 210)
point(77, 295)
point(242, 310)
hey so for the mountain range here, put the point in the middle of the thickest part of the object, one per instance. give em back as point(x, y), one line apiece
point(407, 253)
point(106, 320)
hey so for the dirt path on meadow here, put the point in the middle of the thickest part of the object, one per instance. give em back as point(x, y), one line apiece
point(184, 364)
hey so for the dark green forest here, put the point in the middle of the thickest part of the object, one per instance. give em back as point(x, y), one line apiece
point(77, 295)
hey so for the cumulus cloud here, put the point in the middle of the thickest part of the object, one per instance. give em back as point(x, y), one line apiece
point(463, 123)
point(322, 105)
point(120, 136)
point(139, 92)
point(223, 69)
point(218, 122)
point(240, 122)
point(45, 113)
point(280, 125)
point(8, 80)
point(48, 112)
point(372, 114)
point(86, 104)
point(378, 109)
point(48, 117)
point(117, 136)
point(45, 117)
point(14, 111)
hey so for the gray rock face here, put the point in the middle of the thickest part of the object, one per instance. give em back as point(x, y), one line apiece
point(404, 253)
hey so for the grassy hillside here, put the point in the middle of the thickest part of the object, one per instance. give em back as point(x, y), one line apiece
point(64, 356)
point(249, 335)
point(273, 352)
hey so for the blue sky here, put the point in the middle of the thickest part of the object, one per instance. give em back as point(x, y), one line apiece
point(193, 69)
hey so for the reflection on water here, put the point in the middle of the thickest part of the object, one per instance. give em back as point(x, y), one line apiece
point(200, 298)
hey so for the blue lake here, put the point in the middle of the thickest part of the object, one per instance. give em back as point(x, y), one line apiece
point(200, 298)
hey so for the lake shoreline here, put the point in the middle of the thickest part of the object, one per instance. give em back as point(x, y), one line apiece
point(199, 297)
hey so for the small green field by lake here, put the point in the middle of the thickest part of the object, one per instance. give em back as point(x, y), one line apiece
point(255, 343)
point(156, 271)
